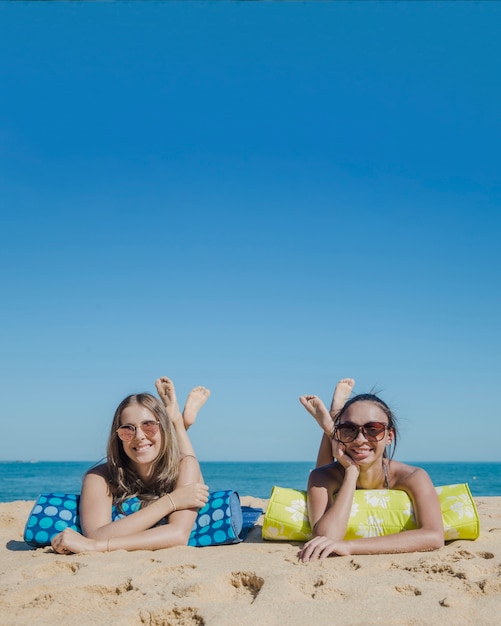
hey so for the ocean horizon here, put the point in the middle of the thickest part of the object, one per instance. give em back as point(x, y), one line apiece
point(23, 480)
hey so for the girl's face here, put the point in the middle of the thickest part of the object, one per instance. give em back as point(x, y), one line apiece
point(365, 447)
point(145, 444)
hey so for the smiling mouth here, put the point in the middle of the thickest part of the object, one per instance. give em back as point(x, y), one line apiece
point(361, 450)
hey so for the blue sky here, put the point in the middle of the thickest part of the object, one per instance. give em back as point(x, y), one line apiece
point(259, 197)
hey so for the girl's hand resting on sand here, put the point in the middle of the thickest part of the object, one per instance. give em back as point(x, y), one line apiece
point(69, 541)
point(322, 547)
point(193, 496)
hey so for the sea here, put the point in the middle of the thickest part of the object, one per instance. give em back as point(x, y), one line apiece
point(27, 480)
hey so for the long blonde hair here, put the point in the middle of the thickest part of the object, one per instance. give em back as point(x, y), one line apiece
point(123, 480)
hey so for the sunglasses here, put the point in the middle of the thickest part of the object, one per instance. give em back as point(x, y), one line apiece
point(127, 432)
point(348, 432)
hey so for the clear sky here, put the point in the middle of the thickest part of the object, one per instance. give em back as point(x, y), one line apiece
point(259, 197)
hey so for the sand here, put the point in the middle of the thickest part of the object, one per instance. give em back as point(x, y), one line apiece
point(254, 582)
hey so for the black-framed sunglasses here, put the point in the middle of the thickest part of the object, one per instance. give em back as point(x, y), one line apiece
point(348, 432)
point(127, 432)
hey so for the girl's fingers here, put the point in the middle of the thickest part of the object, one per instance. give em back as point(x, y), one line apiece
point(308, 550)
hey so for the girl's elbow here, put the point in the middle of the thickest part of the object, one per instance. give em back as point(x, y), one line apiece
point(436, 540)
point(90, 533)
point(184, 537)
point(180, 535)
point(317, 529)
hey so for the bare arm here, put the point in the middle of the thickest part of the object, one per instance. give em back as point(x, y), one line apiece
point(135, 532)
point(429, 535)
point(329, 517)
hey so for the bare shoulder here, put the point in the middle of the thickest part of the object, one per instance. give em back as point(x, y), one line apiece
point(97, 478)
point(408, 477)
point(100, 471)
point(329, 476)
point(96, 500)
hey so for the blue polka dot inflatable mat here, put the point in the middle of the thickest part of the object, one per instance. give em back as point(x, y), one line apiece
point(51, 514)
point(219, 522)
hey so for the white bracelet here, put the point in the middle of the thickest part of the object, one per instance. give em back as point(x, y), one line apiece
point(172, 502)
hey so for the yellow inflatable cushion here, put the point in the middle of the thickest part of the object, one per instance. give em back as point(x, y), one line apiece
point(374, 512)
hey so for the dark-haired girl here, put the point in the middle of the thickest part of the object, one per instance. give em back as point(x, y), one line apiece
point(353, 455)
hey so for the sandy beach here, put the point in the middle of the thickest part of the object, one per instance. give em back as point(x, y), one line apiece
point(255, 582)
